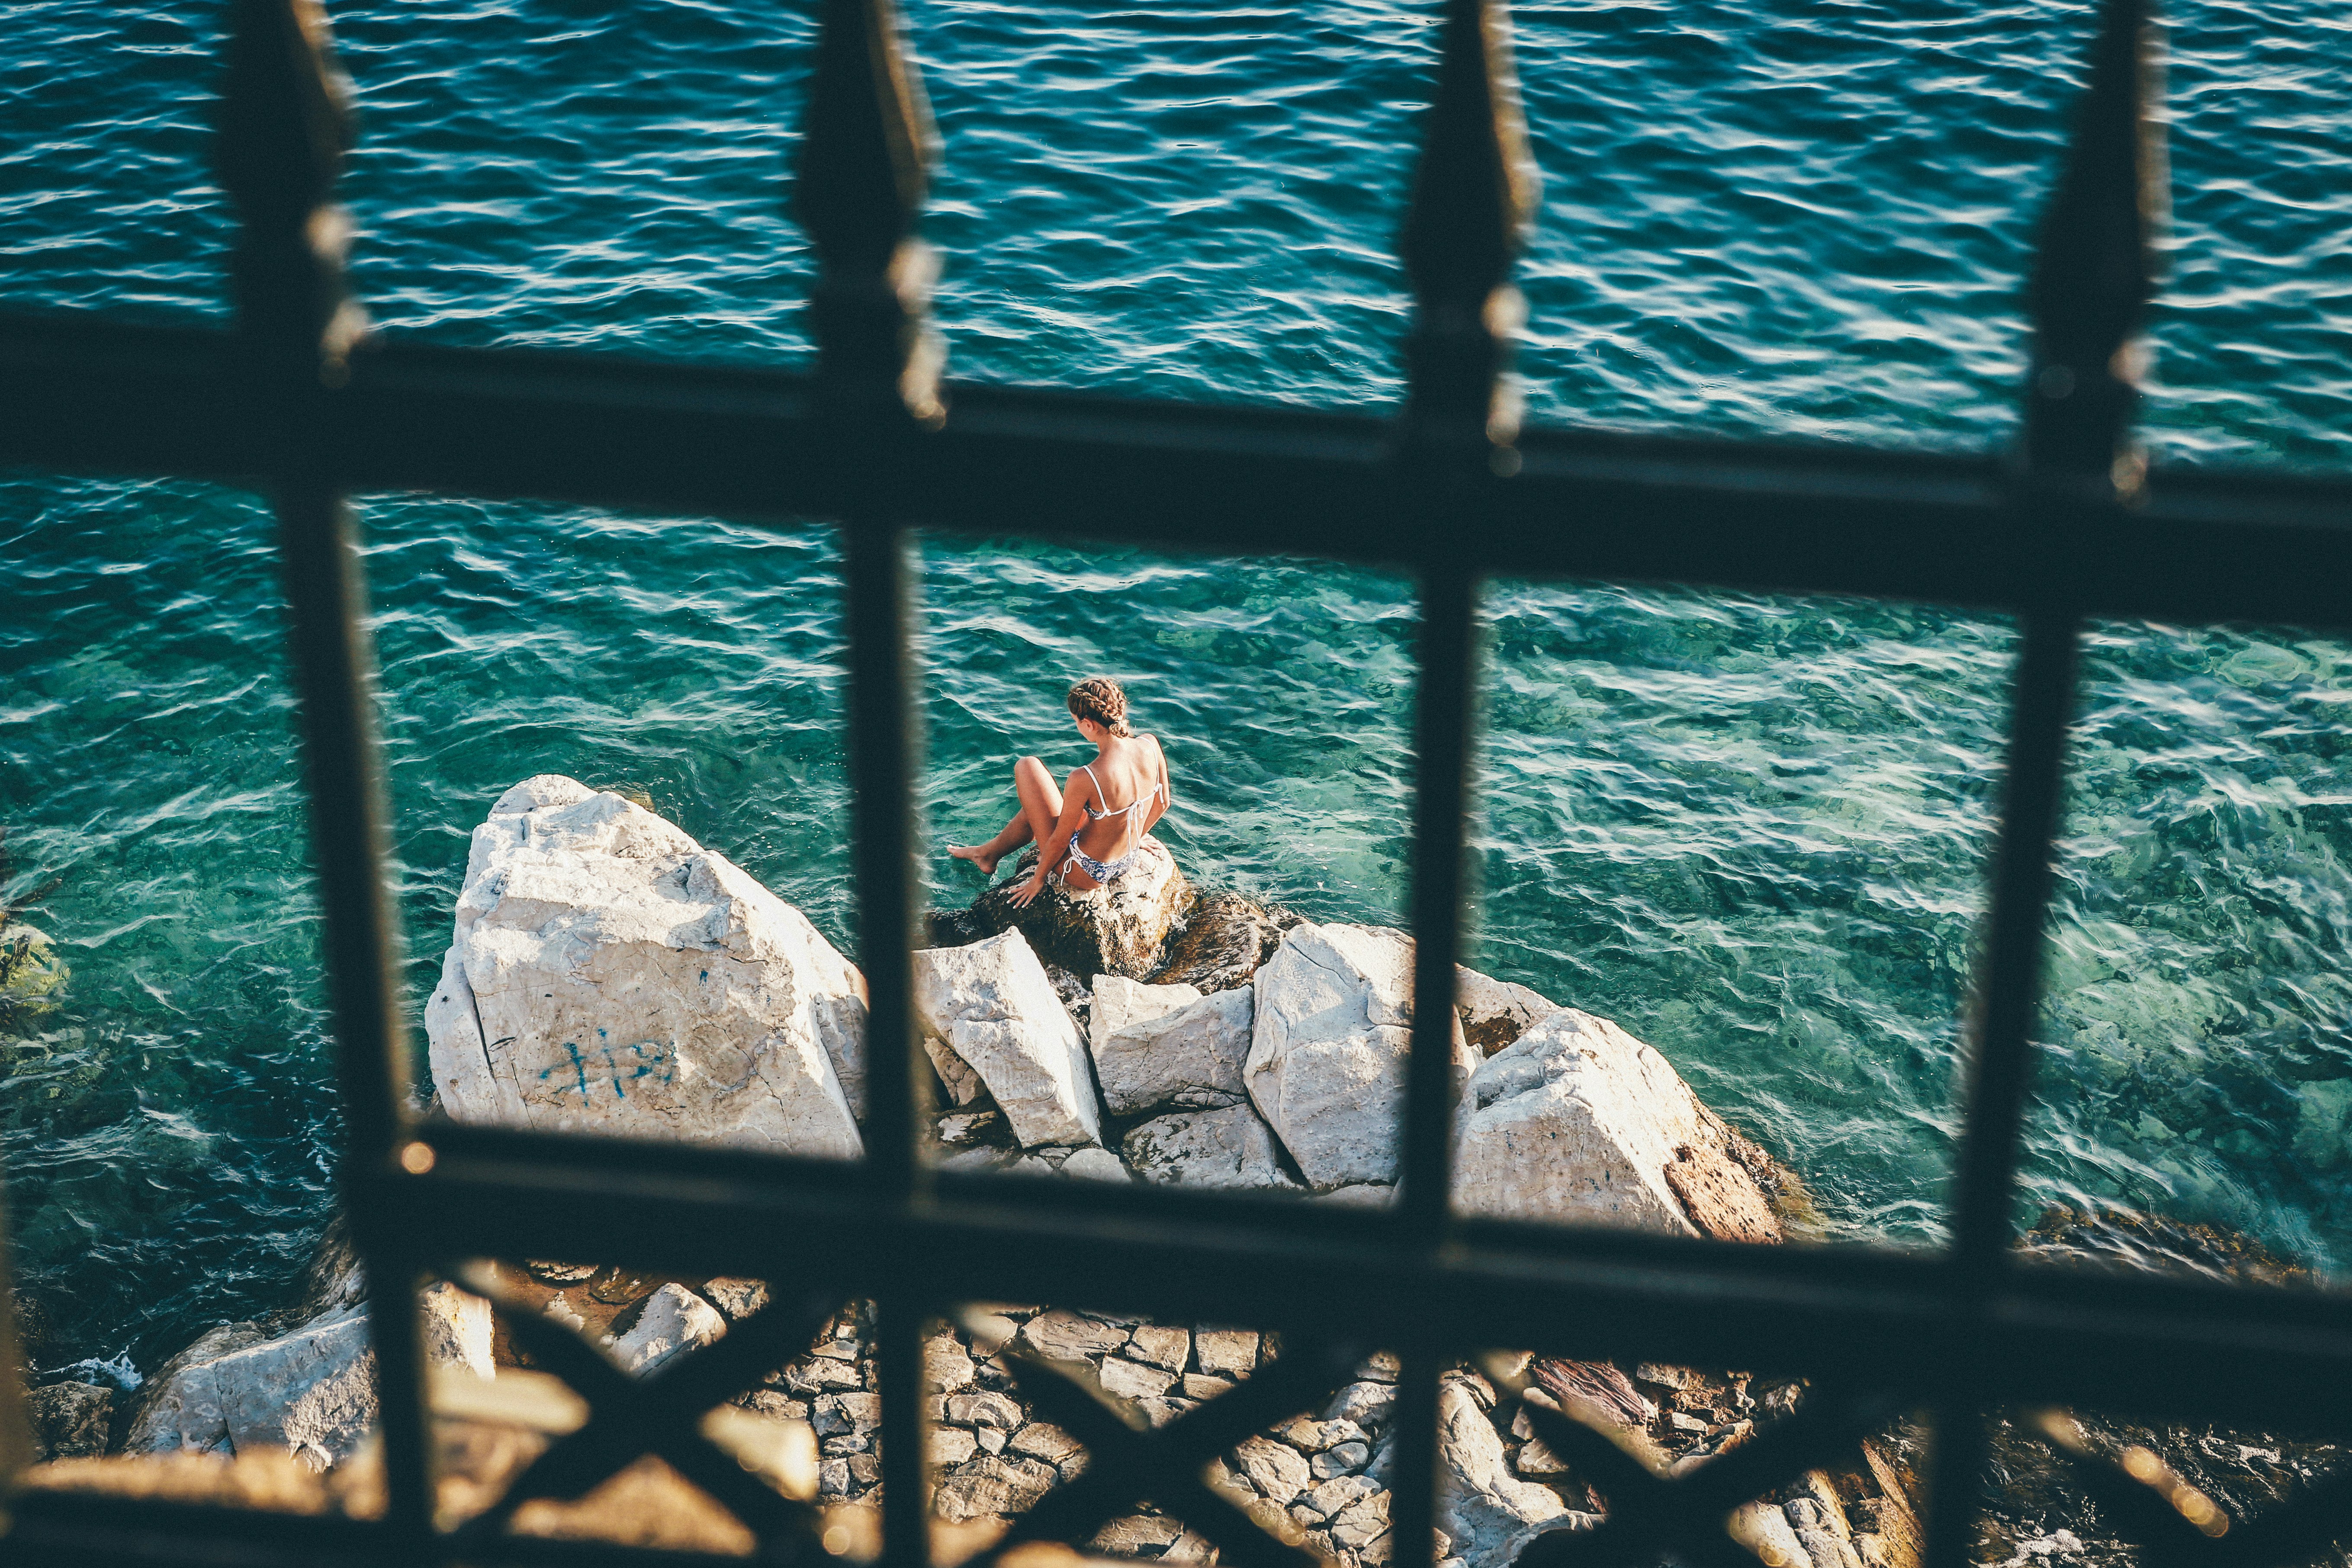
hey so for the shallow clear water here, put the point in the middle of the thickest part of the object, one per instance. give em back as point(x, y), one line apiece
point(1752, 830)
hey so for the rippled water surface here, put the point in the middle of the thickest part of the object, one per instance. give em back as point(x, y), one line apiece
point(1752, 830)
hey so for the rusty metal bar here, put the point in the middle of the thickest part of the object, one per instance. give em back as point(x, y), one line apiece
point(284, 125)
point(2197, 546)
point(1878, 1318)
point(1473, 202)
point(866, 154)
point(2094, 271)
point(15, 1377)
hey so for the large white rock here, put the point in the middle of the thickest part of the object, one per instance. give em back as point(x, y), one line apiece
point(1577, 1120)
point(1168, 1046)
point(610, 973)
point(1228, 1147)
point(179, 1406)
point(989, 1016)
point(310, 1392)
point(1327, 1046)
point(1487, 1510)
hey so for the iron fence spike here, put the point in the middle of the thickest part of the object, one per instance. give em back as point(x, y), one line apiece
point(1473, 199)
point(285, 122)
point(2097, 264)
point(865, 155)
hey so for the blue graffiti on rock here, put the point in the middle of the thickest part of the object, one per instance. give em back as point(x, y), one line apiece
point(591, 1067)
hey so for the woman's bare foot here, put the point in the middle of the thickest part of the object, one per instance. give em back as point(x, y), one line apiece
point(979, 855)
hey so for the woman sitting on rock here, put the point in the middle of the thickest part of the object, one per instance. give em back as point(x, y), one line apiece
point(1086, 842)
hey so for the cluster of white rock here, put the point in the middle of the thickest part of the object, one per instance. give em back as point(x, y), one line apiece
point(608, 972)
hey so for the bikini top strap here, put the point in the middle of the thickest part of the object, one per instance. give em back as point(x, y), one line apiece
point(1130, 807)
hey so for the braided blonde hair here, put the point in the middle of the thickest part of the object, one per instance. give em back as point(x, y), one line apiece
point(1099, 698)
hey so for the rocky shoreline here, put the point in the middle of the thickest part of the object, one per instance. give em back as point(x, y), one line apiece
point(609, 973)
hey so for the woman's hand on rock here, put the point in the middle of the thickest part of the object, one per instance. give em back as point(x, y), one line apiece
point(1026, 894)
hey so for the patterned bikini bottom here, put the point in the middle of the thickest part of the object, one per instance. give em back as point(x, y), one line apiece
point(1104, 871)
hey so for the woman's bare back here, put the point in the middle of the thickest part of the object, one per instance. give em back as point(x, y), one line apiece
point(1129, 774)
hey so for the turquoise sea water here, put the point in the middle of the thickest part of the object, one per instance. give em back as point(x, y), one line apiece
point(1752, 830)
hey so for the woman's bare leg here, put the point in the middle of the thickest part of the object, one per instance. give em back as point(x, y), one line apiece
point(1041, 807)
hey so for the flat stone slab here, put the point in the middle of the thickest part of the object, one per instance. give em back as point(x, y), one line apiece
point(990, 1018)
point(1227, 1147)
point(1170, 1047)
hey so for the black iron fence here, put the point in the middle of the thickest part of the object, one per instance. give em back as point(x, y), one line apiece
point(298, 397)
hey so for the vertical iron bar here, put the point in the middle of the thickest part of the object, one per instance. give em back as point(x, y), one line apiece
point(1473, 199)
point(2000, 1068)
point(2092, 280)
point(1441, 803)
point(2095, 272)
point(866, 149)
point(334, 670)
point(863, 169)
point(865, 162)
point(882, 778)
point(1412, 1497)
point(15, 1377)
point(285, 124)
point(1957, 1452)
point(898, 1378)
point(896, 1095)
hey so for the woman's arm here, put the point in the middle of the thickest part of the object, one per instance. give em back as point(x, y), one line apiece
point(1160, 806)
point(1057, 843)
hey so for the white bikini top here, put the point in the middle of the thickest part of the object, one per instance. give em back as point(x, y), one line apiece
point(1134, 806)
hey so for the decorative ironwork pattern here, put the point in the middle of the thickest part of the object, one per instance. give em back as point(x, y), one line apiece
point(1129, 1462)
point(659, 1413)
point(299, 398)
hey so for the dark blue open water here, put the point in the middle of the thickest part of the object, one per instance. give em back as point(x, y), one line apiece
point(1752, 830)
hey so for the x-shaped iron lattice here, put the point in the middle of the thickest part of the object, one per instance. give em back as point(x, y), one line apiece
point(661, 1412)
point(1651, 1515)
point(1129, 1461)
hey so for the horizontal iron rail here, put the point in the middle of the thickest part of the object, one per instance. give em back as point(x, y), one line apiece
point(2206, 545)
point(2124, 1344)
point(92, 1529)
